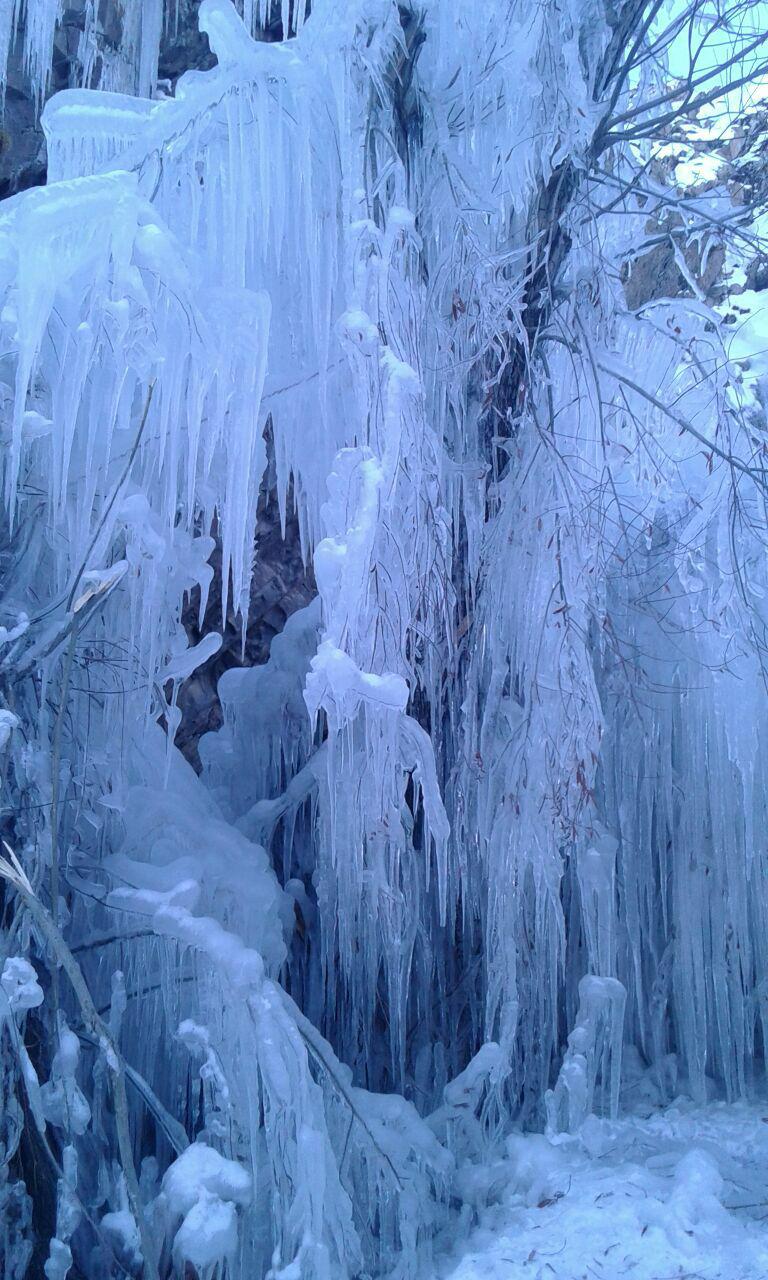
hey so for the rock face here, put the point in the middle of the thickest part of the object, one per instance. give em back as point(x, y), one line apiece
point(22, 142)
point(22, 145)
point(657, 273)
point(737, 161)
point(183, 46)
point(281, 584)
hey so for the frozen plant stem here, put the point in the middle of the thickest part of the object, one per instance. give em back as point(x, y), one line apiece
point(69, 658)
point(11, 871)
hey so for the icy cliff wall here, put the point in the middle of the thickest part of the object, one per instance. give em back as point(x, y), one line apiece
point(493, 807)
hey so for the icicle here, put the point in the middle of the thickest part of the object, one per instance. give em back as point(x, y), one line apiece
point(68, 1215)
point(8, 20)
point(151, 31)
point(64, 1102)
point(40, 19)
point(594, 1049)
point(597, 881)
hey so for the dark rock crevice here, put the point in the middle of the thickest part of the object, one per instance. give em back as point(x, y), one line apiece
point(281, 584)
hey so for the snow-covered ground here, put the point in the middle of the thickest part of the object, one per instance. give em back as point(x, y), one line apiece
point(673, 1194)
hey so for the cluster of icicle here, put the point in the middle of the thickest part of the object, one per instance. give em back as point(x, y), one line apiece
point(118, 42)
point(496, 785)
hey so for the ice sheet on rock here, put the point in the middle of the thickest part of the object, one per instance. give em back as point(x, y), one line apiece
point(174, 837)
point(265, 705)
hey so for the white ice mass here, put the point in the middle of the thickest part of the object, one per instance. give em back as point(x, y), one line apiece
point(445, 951)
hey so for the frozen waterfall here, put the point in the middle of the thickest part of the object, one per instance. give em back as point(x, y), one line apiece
point(486, 834)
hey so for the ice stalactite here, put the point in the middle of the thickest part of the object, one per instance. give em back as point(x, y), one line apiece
point(594, 1050)
point(525, 756)
point(379, 577)
point(126, 61)
point(119, 43)
point(39, 26)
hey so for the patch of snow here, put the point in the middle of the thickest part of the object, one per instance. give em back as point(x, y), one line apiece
point(682, 1192)
point(19, 981)
point(202, 1169)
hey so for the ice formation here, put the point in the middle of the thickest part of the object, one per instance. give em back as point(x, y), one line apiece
point(492, 814)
